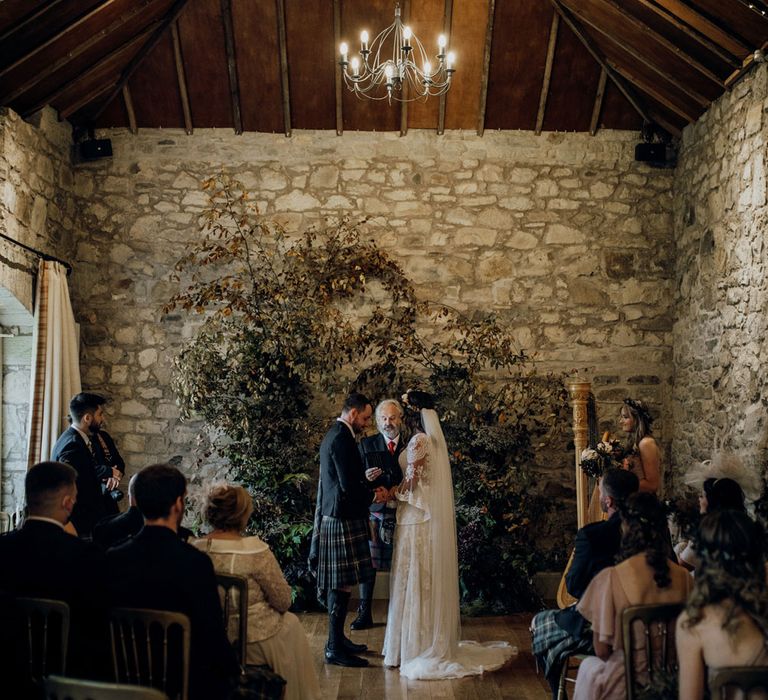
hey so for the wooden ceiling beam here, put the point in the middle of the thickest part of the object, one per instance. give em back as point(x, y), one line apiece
point(337, 69)
point(640, 58)
point(284, 77)
point(143, 52)
point(447, 22)
point(129, 109)
point(701, 24)
point(552, 45)
point(51, 97)
point(80, 49)
point(598, 106)
point(52, 40)
point(678, 24)
point(486, 68)
point(181, 77)
point(85, 99)
point(31, 19)
point(746, 66)
point(643, 29)
point(229, 45)
point(616, 79)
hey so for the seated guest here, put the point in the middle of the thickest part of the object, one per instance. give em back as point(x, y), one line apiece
point(42, 561)
point(645, 575)
point(560, 633)
point(716, 494)
point(156, 570)
point(726, 620)
point(275, 636)
point(116, 529)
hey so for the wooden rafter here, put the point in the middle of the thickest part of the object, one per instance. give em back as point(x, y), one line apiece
point(598, 106)
point(644, 30)
point(181, 76)
point(80, 21)
point(404, 94)
point(87, 98)
point(676, 22)
point(143, 52)
point(51, 97)
point(31, 18)
point(616, 79)
point(229, 45)
point(336, 70)
point(486, 68)
point(642, 59)
point(447, 22)
point(284, 78)
point(78, 50)
point(746, 66)
point(553, 29)
point(129, 109)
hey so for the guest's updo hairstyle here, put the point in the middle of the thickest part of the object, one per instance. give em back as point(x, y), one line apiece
point(644, 529)
point(228, 507)
point(732, 569)
point(724, 494)
point(413, 402)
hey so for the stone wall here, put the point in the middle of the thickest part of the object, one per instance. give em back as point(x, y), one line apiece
point(721, 220)
point(563, 234)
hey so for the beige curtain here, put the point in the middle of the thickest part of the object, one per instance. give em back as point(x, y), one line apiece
point(55, 361)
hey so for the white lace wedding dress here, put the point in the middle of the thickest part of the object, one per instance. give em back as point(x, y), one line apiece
point(423, 625)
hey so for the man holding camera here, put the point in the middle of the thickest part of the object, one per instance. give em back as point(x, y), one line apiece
point(94, 456)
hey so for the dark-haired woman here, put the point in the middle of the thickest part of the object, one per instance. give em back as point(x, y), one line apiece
point(644, 458)
point(726, 620)
point(644, 575)
point(423, 628)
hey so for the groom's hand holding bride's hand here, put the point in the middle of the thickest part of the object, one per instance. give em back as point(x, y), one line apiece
point(381, 495)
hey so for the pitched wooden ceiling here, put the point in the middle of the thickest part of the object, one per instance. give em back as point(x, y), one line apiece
point(270, 65)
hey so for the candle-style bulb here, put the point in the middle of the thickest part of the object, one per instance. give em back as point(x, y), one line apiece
point(364, 39)
point(442, 42)
point(427, 69)
point(450, 59)
point(344, 49)
point(388, 72)
point(407, 34)
point(355, 65)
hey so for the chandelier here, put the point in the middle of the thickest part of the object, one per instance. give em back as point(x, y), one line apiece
point(403, 74)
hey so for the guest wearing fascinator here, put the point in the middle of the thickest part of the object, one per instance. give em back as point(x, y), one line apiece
point(644, 454)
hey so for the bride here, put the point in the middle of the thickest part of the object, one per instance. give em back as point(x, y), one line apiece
point(423, 627)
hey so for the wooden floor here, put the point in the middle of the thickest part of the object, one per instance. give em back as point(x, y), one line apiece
point(516, 681)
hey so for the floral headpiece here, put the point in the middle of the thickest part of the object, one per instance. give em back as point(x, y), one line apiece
point(416, 400)
point(641, 409)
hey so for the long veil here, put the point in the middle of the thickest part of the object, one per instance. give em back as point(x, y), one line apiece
point(447, 657)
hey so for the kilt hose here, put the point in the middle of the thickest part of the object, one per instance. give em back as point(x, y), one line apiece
point(344, 558)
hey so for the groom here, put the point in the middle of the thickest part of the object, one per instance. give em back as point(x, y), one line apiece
point(341, 525)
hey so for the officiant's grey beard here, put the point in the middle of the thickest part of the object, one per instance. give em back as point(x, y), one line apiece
point(389, 416)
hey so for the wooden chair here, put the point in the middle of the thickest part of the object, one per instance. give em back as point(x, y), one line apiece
point(658, 625)
point(235, 595)
point(60, 688)
point(151, 648)
point(46, 631)
point(570, 665)
point(744, 678)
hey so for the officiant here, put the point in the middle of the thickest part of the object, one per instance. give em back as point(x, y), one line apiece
point(380, 455)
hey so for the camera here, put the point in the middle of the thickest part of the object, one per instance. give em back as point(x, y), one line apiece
point(116, 495)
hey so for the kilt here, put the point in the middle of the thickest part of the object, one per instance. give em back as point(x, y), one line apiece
point(382, 538)
point(344, 558)
point(552, 644)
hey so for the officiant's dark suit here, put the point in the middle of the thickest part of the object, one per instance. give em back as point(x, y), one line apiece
point(391, 473)
point(72, 449)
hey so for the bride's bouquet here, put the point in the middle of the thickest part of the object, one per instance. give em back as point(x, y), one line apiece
point(607, 453)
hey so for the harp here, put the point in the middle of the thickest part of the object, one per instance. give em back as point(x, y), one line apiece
point(585, 434)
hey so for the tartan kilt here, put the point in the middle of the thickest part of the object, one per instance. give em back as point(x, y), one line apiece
point(552, 644)
point(344, 558)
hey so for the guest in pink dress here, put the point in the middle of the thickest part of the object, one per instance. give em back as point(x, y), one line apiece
point(644, 575)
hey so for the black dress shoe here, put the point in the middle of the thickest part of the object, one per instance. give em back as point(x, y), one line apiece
point(363, 621)
point(343, 658)
point(353, 648)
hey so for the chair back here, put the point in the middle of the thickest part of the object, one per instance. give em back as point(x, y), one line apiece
point(60, 688)
point(657, 644)
point(46, 631)
point(151, 648)
point(744, 678)
point(5, 522)
point(235, 597)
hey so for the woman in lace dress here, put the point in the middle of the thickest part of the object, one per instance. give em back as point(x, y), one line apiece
point(275, 636)
point(644, 458)
point(726, 620)
point(423, 626)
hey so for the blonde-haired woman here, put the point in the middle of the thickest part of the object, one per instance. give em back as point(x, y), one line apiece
point(275, 636)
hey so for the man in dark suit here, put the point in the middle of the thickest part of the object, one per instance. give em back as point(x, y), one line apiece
point(107, 453)
point(75, 446)
point(340, 540)
point(380, 455)
point(156, 570)
point(41, 560)
point(559, 633)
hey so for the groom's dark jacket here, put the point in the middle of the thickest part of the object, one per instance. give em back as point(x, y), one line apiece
point(344, 491)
